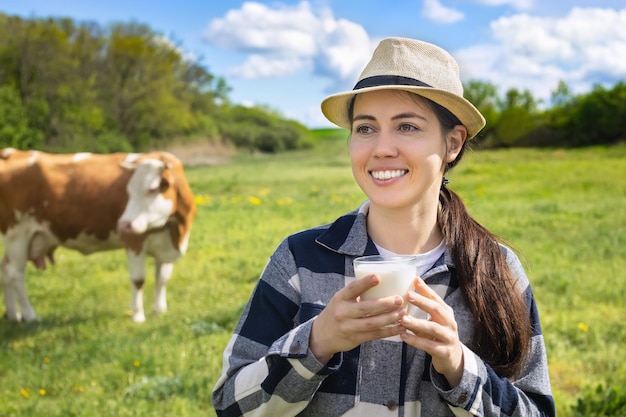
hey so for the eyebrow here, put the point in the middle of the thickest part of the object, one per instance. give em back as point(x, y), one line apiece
point(363, 117)
point(407, 115)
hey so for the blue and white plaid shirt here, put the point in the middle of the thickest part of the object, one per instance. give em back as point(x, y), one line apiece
point(270, 371)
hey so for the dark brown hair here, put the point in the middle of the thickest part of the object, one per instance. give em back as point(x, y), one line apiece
point(502, 326)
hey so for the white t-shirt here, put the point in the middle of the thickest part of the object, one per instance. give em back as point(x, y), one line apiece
point(424, 260)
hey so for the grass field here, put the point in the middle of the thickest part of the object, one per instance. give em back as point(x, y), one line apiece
point(562, 210)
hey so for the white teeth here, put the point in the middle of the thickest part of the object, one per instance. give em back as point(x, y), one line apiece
point(387, 175)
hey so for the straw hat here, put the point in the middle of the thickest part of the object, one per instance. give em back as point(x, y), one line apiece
point(415, 66)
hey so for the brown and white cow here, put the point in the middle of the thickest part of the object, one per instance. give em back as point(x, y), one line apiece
point(91, 203)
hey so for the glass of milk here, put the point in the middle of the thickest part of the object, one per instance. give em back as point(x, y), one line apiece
point(396, 274)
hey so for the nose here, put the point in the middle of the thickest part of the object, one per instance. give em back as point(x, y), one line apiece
point(385, 146)
point(124, 226)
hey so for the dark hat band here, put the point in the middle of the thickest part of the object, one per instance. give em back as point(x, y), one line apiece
point(379, 80)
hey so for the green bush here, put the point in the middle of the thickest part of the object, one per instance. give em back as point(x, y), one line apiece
point(257, 128)
point(601, 402)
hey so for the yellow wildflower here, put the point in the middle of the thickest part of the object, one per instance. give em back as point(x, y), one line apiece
point(42, 391)
point(255, 200)
point(136, 363)
point(582, 326)
point(285, 201)
point(203, 199)
point(24, 393)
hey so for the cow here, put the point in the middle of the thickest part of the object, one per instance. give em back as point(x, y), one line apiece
point(90, 203)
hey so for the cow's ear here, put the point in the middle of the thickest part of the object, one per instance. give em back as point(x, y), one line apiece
point(129, 166)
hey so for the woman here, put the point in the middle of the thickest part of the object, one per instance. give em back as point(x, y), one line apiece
point(307, 345)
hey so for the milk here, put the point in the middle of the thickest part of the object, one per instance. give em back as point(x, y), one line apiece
point(396, 275)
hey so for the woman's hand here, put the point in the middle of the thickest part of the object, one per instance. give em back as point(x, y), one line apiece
point(438, 336)
point(346, 322)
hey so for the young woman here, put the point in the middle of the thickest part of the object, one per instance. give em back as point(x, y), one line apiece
point(307, 345)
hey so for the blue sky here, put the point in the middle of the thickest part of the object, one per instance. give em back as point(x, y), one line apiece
point(290, 54)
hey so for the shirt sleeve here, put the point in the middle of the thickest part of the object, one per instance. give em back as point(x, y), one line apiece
point(268, 369)
point(482, 392)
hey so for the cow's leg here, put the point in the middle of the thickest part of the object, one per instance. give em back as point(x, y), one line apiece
point(9, 291)
point(14, 287)
point(163, 274)
point(136, 269)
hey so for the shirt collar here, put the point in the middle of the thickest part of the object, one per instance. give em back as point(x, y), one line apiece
point(348, 234)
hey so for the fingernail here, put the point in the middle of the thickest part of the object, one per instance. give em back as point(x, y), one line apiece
point(412, 295)
point(398, 301)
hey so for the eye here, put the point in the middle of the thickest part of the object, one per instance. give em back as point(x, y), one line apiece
point(158, 186)
point(407, 127)
point(362, 130)
point(165, 184)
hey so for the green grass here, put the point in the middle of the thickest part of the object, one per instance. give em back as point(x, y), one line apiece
point(563, 210)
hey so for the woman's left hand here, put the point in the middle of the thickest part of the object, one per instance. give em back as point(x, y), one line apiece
point(438, 336)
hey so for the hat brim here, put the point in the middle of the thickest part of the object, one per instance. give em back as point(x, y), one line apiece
point(335, 107)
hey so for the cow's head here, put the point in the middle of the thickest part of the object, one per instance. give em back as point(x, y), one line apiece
point(151, 198)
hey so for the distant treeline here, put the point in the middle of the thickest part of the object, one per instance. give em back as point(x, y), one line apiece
point(519, 120)
point(67, 86)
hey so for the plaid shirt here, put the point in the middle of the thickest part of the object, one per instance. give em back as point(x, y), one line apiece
point(269, 370)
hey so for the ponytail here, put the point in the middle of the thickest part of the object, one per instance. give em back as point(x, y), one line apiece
point(503, 332)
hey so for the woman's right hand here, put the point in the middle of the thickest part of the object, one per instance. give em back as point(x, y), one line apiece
point(346, 322)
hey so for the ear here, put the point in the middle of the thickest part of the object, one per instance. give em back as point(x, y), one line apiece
point(128, 166)
point(455, 140)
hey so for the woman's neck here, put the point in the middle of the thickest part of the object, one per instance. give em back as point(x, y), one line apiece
point(404, 231)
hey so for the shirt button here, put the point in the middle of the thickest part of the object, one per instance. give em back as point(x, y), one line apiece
point(462, 398)
point(294, 349)
point(392, 404)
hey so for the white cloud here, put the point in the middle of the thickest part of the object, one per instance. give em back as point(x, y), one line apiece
point(344, 52)
point(437, 12)
point(286, 39)
point(260, 66)
point(516, 4)
point(584, 47)
point(257, 28)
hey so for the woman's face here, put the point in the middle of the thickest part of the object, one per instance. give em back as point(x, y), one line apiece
point(398, 150)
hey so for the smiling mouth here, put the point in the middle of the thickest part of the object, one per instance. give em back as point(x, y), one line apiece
point(388, 174)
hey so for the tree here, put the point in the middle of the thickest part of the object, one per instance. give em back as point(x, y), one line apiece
point(70, 86)
point(562, 96)
point(14, 129)
point(50, 62)
point(484, 96)
point(598, 117)
point(518, 118)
